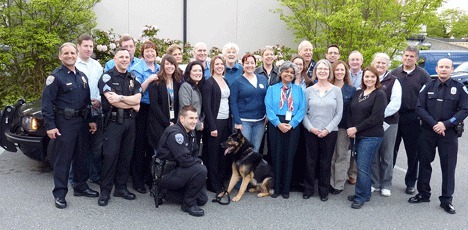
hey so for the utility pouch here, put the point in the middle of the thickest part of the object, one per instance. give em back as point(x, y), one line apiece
point(459, 128)
point(120, 116)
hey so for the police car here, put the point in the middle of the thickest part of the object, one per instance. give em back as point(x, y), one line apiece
point(22, 126)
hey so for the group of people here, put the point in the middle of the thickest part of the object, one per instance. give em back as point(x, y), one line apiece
point(350, 121)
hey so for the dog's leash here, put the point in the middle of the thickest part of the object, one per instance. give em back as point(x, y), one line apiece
point(218, 199)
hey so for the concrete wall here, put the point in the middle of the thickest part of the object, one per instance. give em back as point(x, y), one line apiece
point(250, 24)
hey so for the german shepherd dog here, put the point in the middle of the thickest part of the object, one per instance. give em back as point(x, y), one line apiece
point(249, 165)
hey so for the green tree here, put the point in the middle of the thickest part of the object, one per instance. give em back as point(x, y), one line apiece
point(436, 27)
point(460, 27)
point(456, 22)
point(366, 25)
point(33, 30)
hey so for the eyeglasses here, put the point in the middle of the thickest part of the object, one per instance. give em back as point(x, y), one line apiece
point(335, 53)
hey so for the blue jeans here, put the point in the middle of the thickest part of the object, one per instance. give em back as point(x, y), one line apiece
point(366, 148)
point(254, 131)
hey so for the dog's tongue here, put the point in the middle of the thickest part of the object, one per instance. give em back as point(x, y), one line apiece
point(227, 150)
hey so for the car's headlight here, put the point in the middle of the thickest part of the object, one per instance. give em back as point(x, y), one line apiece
point(30, 124)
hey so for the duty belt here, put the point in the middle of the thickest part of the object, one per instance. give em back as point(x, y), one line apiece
point(71, 112)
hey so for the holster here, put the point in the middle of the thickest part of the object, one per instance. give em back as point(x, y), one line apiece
point(459, 128)
point(157, 169)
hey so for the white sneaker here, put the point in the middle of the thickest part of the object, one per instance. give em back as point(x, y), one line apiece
point(374, 189)
point(385, 192)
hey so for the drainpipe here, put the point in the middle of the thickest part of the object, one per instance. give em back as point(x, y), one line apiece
point(185, 23)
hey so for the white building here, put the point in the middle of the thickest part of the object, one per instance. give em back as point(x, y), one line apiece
point(251, 24)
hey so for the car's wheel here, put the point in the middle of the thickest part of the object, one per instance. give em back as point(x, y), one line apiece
point(50, 158)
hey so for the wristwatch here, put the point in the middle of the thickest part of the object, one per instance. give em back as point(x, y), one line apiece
point(121, 98)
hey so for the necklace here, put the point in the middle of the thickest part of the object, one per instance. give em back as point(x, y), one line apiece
point(362, 97)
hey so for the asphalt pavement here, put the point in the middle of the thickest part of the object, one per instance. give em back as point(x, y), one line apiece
point(26, 202)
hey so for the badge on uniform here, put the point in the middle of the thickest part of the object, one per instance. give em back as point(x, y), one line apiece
point(50, 80)
point(261, 86)
point(453, 90)
point(106, 77)
point(131, 85)
point(84, 81)
point(179, 138)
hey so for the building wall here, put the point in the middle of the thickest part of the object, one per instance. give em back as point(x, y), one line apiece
point(250, 24)
point(440, 44)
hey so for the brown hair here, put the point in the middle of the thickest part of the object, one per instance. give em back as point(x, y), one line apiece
point(212, 63)
point(347, 78)
point(125, 38)
point(306, 78)
point(247, 55)
point(84, 37)
point(162, 75)
point(148, 45)
point(172, 48)
point(183, 111)
point(374, 71)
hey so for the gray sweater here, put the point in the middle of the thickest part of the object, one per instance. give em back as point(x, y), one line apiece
point(189, 95)
point(323, 112)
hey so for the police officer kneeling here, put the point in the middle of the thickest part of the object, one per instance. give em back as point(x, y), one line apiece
point(178, 145)
point(442, 104)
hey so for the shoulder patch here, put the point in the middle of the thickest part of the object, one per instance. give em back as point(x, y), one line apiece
point(179, 138)
point(106, 77)
point(466, 90)
point(50, 79)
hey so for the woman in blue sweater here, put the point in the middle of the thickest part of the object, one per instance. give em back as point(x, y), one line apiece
point(285, 108)
point(246, 102)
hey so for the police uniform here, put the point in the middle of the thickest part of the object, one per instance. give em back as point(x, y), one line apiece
point(65, 99)
point(446, 102)
point(189, 177)
point(119, 131)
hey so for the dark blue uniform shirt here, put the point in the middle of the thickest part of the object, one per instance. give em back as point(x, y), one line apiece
point(178, 145)
point(64, 89)
point(446, 102)
point(120, 83)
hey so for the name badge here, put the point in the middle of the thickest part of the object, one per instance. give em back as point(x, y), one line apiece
point(171, 114)
point(288, 115)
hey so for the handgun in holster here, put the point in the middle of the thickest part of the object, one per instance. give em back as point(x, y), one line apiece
point(157, 169)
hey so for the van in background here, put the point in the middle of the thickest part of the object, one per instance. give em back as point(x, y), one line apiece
point(428, 58)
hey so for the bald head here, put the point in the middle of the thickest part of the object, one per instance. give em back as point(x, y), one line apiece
point(444, 69)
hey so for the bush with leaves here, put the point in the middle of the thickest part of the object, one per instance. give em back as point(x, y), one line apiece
point(106, 42)
point(34, 30)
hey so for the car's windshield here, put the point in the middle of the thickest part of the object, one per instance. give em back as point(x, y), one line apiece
point(462, 68)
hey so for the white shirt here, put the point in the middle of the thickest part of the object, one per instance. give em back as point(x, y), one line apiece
point(395, 98)
point(93, 71)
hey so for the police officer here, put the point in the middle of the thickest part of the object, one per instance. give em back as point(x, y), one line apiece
point(121, 95)
point(178, 144)
point(65, 99)
point(442, 104)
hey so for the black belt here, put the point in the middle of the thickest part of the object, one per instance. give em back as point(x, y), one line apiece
point(71, 112)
